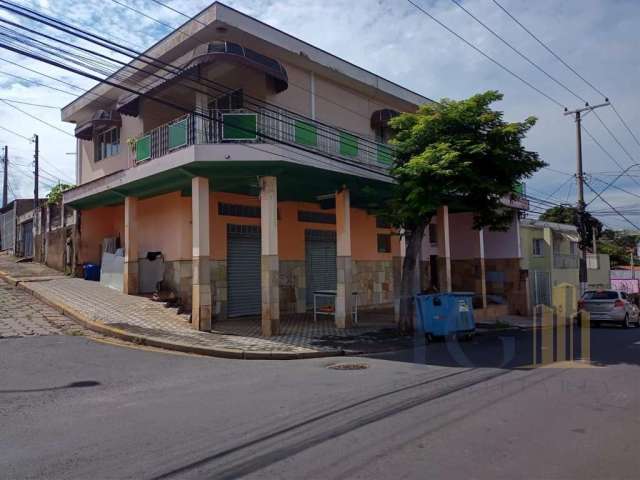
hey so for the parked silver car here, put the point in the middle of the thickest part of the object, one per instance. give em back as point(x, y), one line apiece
point(610, 306)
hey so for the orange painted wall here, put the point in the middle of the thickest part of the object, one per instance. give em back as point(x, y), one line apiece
point(96, 224)
point(164, 224)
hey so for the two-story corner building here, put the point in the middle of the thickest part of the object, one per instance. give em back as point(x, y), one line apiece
point(250, 160)
point(551, 255)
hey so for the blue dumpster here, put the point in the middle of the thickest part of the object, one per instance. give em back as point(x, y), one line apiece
point(91, 272)
point(445, 314)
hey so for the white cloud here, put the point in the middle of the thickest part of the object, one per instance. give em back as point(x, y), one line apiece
point(393, 39)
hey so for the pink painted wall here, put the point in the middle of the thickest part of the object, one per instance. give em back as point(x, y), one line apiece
point(465, 240)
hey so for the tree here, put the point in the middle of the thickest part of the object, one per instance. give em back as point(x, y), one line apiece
point(618, 245)
point(570, 215)
point(55, 195)
point(456, 153)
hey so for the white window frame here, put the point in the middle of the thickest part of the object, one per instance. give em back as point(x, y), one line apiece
point(540, 242)
point(100, 139)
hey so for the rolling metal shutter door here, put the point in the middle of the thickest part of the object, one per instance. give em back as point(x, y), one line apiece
point(243, 270)
point(320, 252)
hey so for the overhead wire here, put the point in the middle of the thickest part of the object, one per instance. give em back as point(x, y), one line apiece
point(39, 56)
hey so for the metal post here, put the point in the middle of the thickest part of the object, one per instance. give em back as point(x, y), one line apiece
point(5, 178)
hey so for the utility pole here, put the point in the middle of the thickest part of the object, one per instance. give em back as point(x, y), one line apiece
point(580, 181)
point(5, 177)
point(35, 173)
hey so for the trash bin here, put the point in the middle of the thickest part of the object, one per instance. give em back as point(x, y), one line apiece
point(91, 272)
point(446, 314)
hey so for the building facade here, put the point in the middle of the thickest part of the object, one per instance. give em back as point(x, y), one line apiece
point(551, 256)
point(248, 162)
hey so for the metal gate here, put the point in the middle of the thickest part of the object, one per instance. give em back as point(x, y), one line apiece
point(320, 252)
point(540, 288)
point(243, 270)
point(27, 239)
point(7, 228)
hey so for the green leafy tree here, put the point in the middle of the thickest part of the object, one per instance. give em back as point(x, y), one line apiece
point(618, 245)
point(457, 153)
point(55, 195)
point(569, 215)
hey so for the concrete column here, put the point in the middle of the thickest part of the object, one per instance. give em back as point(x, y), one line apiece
point(444, 247)
point(344, 287)
point(130, 277)
point(202, 109)
point(201, 303)
point(270, 262)
point(398, 261)
point(483, 270)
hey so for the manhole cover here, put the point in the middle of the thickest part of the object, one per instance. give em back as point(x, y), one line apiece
point(348, 366)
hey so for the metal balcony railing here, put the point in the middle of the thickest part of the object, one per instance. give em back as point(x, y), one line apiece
point(260, 125)
point(565, 261)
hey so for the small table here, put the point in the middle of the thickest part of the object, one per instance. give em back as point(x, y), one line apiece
point(332, 294)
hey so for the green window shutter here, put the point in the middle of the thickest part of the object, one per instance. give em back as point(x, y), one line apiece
point(239, 126)
point(385, 155)
point(306, 133)
point(348, 144)
point(178, 134)
point(143, 148)
point(519, 188)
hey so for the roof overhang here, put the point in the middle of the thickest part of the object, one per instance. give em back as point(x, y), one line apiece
point(189, 65)
point(226, 162)
point(100, 121)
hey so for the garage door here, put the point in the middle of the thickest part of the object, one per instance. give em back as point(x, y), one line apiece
point(243, 270)
point(320, 248)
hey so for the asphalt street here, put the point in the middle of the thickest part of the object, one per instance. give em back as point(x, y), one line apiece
point(79, 408)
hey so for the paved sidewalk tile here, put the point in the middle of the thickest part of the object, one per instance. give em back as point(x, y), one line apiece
point(139, 315)
point(22, 315)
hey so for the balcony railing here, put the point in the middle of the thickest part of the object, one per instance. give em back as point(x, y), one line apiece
point(565, 261)
point(260, 125)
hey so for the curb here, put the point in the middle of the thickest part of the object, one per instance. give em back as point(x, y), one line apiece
point(100, 327)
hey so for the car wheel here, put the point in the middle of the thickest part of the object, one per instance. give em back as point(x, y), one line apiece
point(626, 323)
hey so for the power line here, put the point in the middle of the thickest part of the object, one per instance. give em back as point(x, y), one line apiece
point(36, 118)
point(522, 55)
point(154, 62)
point(21, 102)
point(548, 49)
point(108, 44)
point(611, 206)
point(486, 55)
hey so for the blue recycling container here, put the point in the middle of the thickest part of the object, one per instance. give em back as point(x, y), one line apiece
point(91, 272)
point(445, 314)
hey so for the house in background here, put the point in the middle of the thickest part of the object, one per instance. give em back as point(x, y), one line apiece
point(551, 255)
point(17, 227)
point(252, 179)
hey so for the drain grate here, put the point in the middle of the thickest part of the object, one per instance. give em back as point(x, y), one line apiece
point(348, 366)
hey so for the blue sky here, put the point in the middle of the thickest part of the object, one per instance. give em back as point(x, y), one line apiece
point(393, 39)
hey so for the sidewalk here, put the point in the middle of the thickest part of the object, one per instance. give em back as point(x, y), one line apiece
point(143, 321)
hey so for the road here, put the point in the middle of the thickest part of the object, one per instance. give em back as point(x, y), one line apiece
point(73, 407)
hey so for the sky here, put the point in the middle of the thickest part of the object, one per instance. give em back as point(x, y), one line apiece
point(395, 40)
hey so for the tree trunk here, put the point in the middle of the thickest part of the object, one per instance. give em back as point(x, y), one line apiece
point(409, 284)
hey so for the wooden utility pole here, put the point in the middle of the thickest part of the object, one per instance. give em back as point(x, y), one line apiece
point(580, 183)
point(35, 173)
point(5, 177)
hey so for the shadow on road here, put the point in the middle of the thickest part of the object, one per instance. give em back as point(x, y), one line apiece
point(81, 384)
point(515, 349)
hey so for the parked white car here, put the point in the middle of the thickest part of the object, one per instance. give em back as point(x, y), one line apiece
point(609, 306)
